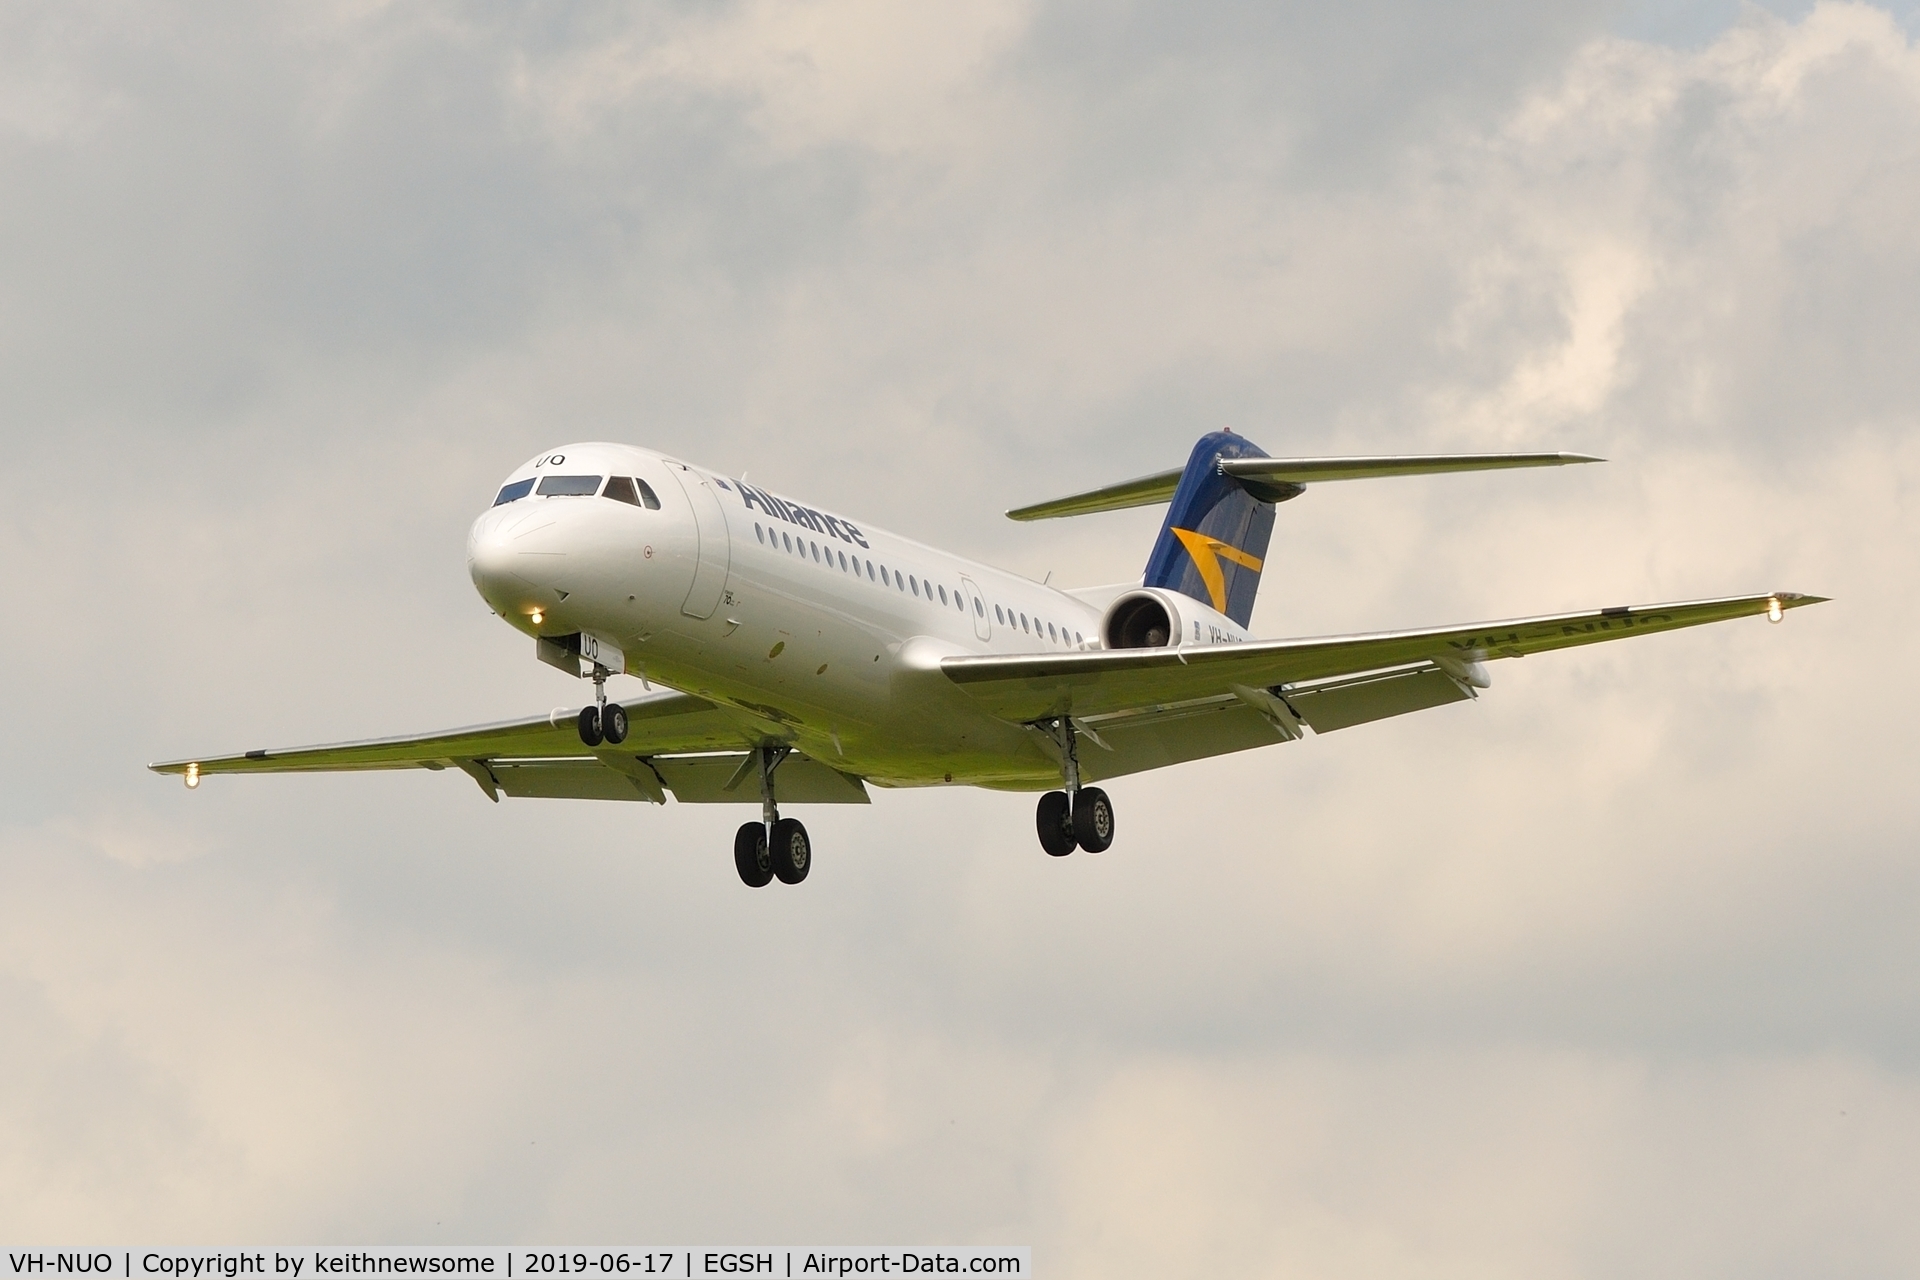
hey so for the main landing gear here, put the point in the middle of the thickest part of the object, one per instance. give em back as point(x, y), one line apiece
point(773, 848)
point(1079, 817)
point(603, 721)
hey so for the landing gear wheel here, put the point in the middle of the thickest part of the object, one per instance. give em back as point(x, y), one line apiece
point(613, 724)
point(1093, 820)
point(1054, 819)
point(750, 855)
point(590, 725)
point(791, 850)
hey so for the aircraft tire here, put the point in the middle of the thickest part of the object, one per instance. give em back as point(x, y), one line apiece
point(613, 724)
point(792, 851)
point(1093, 820)
point(590, 725)
point(750, 857)
point(1054, 819)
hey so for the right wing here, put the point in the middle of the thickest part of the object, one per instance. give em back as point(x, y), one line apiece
point(1027, 687)
point(675, 742)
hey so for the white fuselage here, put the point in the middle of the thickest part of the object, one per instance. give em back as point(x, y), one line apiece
point(812, 629)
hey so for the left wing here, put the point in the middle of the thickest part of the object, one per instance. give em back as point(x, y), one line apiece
point(1028, 687)
point(675, 742)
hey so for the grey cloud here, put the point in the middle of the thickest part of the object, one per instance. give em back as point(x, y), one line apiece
point(1579, 978)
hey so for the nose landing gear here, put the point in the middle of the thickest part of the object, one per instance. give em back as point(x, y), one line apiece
point(603, 721)
point(774, 847)
point(1079, 817)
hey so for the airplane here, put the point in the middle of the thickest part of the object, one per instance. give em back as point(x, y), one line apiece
point(801, 657)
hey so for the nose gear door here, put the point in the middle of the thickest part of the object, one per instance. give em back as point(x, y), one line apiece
point(977, 605)
point(715, 553)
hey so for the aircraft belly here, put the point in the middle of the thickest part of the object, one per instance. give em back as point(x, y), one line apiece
point(829, 682)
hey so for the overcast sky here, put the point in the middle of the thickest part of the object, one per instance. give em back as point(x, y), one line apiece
point(1609, 973)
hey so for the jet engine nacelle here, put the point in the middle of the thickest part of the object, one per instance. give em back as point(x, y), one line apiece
point(1150, 618)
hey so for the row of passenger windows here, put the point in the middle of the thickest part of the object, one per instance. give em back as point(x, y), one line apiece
point(833, 557)
point(620, 488)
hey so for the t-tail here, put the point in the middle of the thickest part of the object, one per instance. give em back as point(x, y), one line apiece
point(1213, 544)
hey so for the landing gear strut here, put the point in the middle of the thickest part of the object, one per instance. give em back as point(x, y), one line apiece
point(773, 847)
point(603, 721)
point(1079, 816)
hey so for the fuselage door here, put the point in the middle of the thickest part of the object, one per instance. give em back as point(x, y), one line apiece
point(977, 606)
point(715, 554)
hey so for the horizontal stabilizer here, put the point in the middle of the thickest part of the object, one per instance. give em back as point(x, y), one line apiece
point(1285, 473)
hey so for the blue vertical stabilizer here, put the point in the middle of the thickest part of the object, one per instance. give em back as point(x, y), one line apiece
point(1214, 542)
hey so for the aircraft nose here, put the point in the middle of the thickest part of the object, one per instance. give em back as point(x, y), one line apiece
point(514, 561)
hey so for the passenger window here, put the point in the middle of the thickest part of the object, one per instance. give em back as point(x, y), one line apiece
point(569, 486)
point(978, 607)
point(997, 616)
point(914, 584)
point(943, 595)
point(648, 498)
point(816, 551)
point(843, 560)
point(899, 582)
point(621, 489)
point(788, 541)
point(1078, 638)
point(1050, 635)
point(514, 492)
point(758, 536)
point(1023, 622)
point(869, 571)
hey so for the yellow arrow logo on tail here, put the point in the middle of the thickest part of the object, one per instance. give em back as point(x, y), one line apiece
point(1206, 552)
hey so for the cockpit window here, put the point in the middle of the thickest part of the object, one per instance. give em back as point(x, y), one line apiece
point(569, 486)
point(628, 489)
point(514, 492)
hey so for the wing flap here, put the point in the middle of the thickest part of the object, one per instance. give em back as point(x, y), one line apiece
point(1028, 687)
point(1345, 703)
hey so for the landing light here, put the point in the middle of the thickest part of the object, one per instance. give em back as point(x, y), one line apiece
point(193, 775)
point(538, 617)
point(1774, 612)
